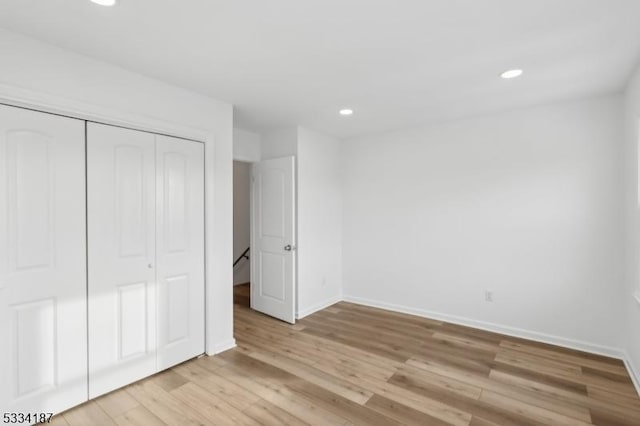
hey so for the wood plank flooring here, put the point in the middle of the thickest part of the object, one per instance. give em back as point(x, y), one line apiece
point(242, 295)
point(354, 365)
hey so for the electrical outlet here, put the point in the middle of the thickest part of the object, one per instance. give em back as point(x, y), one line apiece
point(488, 296)
point(324, 281)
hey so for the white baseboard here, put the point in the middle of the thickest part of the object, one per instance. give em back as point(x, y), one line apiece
point(318, 307)
point(221, 347)
point(496, 328)
point(633, 372)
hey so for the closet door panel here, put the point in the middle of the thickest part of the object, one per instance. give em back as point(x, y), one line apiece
point(121, 235)
point(42, 262)
point(180, 249)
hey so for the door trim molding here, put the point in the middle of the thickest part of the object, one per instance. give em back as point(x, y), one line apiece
point(43, 102)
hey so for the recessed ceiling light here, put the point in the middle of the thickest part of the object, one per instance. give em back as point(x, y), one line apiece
point(511, 74)
point(346, 111)
point(104, 2)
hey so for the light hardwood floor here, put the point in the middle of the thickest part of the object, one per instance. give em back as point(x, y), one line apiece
point(350, 364)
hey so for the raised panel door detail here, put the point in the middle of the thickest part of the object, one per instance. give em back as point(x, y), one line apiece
point(35, 347)
point(122, 256)
point(177, 301)
point(43, 298)
point(31, 187)
point(130, 201)
point(132, 320)
point(272, 219)
point(272, 272)
point(176, 203)
point(273, 238)
point(180, 249)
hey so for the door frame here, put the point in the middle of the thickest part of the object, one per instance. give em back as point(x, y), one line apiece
point(252, 161)
point(59, 105)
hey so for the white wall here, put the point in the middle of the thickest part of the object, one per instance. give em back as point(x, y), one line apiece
point(279, 143)
point(632, 210)
point(319, 221)
point(241, 220)
point(246, 146)
point(39, 75)
point(319, 213)
point(525, 203)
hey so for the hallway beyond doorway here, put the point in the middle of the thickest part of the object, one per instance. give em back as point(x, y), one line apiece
point(242, 295)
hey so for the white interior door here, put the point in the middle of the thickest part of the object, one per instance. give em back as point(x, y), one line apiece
point(121, 234)
point(273, 238)
point(43, 354)
point(179, 249)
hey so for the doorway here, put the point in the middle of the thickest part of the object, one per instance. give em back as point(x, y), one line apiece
point(241, 233)
point(265, 237)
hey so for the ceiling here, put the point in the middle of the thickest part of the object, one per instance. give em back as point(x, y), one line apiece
point(397, 63)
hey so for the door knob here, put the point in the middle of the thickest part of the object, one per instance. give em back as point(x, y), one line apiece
point(289, 247)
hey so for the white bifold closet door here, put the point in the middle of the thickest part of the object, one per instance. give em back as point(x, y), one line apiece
point(179, 249)
point(121, 234)
point(146, 254)
point(43, 354)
